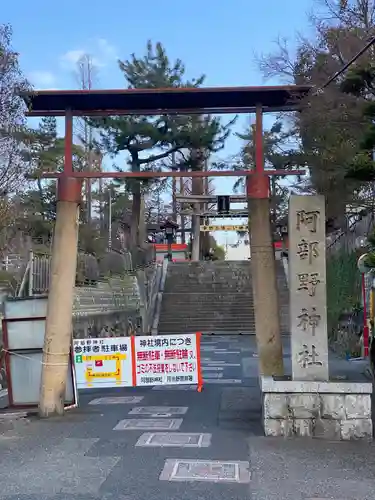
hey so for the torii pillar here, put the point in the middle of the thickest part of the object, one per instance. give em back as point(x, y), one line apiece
point(263, 268)
point(58, 335)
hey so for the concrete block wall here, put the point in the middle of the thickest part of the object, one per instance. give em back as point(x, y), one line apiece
point(334, 411)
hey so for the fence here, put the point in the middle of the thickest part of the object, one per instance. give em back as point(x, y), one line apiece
point(113, 296)
point(348, 240)
point(344, 287)
point(90, 270)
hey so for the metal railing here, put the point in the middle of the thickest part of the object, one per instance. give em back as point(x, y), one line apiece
point(109, 285)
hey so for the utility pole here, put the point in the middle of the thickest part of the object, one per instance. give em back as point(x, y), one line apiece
point(195, 232)
point(263, 269)
point(205, 236)
point(109, 219)
point(174, 189)
point(182, 224)
point(58, 333)
point(85, 74)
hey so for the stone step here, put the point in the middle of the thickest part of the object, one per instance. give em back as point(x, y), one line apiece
point(211, 319)
point(228, 290)
point(169, 318)
point(215, 314)
point(214, 296)
point(204, 307)
point(226, 285)
point(189, 299)
point(197, 327)
point(200, 325)
point(208, 319)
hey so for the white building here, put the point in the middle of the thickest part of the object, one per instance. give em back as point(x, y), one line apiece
point(237, 252)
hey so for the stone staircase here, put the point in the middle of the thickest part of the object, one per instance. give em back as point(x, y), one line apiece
point(214, 297)
point(115, 294)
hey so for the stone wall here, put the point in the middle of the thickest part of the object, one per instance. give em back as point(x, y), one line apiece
point(328, 410)
point(114, 324)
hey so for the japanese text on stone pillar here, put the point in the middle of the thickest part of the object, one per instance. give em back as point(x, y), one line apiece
point(307, 286)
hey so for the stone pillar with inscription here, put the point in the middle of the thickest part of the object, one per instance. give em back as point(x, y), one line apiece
point(309, 403)
point(307, 288)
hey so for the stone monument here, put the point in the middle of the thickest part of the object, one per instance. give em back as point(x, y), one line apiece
point(307, 288)
point(310, 404)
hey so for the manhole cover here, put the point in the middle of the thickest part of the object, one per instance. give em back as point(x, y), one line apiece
point(159, 411)
point(205, 470)
point(177, 439)
point(161, 424)
point(120, 400)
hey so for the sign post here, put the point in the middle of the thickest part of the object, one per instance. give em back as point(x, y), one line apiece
point(138, 361)
point(103, 362)
point(240, 227)
point(364, 269)
point(307, 287)
point(168, 360)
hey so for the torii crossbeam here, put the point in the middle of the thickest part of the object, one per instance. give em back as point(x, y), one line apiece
point(70, 103)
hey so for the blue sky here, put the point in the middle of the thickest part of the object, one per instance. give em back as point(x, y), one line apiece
point(218, 39)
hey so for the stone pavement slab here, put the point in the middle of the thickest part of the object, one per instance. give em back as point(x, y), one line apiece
point(81, 457)
point(294, 470)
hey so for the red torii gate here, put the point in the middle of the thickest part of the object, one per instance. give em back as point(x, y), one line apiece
point(70, 103)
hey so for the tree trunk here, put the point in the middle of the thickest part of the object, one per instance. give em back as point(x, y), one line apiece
point(136, 215)
point(136, 205)
point(273, 203)
point(197, 188)
point(42, 205)
point(182, 192)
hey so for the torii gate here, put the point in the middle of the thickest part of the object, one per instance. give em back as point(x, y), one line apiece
point(70, 103)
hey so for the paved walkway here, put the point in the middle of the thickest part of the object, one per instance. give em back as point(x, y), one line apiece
point(213, 448)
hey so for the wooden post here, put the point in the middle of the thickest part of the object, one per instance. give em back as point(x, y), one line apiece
point(266, 304)
point(60, 299)
point(58, 333)
point(195, 233)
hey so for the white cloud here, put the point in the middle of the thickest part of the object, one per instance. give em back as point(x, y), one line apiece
point(107, 50)
point(71, 57)
point(42, 80)
point(100, 50)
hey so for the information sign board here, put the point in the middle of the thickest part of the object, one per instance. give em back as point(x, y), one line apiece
point(103, 362)
point(168, 360)
point(138, 361)
point(239, 227)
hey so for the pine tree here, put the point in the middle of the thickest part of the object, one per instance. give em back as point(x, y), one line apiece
point(150, 141)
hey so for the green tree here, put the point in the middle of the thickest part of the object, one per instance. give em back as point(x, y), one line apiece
point(149, 142)
point(13, 166)
point(37, 213)
point(360, 82)
point(218, 250)
point(329, 131)
point(44, 153)
point(277, 155)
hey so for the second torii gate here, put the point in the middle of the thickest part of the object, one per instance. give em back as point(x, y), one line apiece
point(70, 103)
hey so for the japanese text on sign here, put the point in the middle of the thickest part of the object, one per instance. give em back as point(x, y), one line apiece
point(309, 357)
point(308, 251)
point(171, 359)
point(129, 361)
point(309, 219)
point(308, 287)
point(241, 227)
point(103, 362)
point(86, 346)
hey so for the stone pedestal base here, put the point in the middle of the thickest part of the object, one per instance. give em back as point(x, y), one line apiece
point(327, 410)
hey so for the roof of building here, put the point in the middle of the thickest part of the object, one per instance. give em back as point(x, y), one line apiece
point(159, 101)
